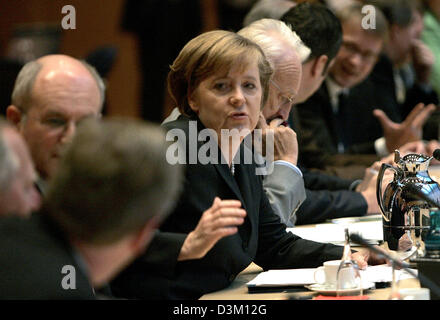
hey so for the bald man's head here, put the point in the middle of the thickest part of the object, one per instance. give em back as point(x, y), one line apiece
point(51, 95)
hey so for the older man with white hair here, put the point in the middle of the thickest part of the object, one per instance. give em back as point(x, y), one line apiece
point(18, 195)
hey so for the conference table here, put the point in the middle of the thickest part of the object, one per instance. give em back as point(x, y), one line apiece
point(238, 290)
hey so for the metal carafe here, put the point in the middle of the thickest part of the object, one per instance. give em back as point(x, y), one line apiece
point(406, 203)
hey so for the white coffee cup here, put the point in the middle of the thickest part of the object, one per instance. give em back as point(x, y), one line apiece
point(326, 274)
point(414, 294)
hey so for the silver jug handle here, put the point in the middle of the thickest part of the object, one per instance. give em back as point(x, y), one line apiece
point(379, 195)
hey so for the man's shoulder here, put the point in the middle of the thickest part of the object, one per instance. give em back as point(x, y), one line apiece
point(383, 70)
point(35, 260)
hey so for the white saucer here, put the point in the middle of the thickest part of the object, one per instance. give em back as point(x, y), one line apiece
point(331, 290)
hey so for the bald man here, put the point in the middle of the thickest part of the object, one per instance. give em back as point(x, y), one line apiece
point(18, 195)
point(51, 95)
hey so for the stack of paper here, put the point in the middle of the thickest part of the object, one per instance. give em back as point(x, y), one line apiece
point(286, 277)
point(384, 273)
point(334, 232)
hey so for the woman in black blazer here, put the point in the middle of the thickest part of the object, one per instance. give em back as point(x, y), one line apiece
point(219, 82)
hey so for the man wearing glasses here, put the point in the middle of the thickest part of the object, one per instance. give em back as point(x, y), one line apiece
point(339, 119)
point(51, 95)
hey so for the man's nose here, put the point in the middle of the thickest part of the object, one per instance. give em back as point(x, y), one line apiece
point(284, 111)
point(355, 60)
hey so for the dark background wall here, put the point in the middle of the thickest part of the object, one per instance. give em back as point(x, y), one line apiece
point(97, 23)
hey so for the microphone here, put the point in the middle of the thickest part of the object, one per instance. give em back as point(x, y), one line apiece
point(356, 238)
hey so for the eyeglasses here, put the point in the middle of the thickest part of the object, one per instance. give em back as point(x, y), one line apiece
point(285, 100)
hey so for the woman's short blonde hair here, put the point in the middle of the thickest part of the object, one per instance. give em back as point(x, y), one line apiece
point(209, 53)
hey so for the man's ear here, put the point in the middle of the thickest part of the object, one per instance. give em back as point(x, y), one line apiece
point(318, 66)
point(14, 115)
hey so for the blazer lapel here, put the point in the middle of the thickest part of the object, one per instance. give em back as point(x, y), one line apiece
point(225, 173)
point(246, 197)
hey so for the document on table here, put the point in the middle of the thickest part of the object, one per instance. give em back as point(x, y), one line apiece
point(384, 273)
point(334, 232)
point(301, 277)
point(285, 277)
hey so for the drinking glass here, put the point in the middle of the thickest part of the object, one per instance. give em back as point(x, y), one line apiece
point(348, 279)
point(394, 295)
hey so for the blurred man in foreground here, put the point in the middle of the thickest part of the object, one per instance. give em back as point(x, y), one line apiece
point(110, 192)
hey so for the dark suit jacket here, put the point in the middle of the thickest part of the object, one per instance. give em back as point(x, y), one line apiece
point(32, 255)
point(383, 78)
point(262, 238)
point(328, 197)
point(318, 140)
point(323, 205)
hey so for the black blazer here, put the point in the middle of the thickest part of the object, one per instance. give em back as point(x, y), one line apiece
point(322, 205)
point(383, 78)
point(262, 238)
point(328, 197)
point(382, 75)
point(32, 255)
point(318, 140)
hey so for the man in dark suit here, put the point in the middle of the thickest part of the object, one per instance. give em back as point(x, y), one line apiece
point(328, 196)
point(333, 124)
point(100, 213)
point(403, 71)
